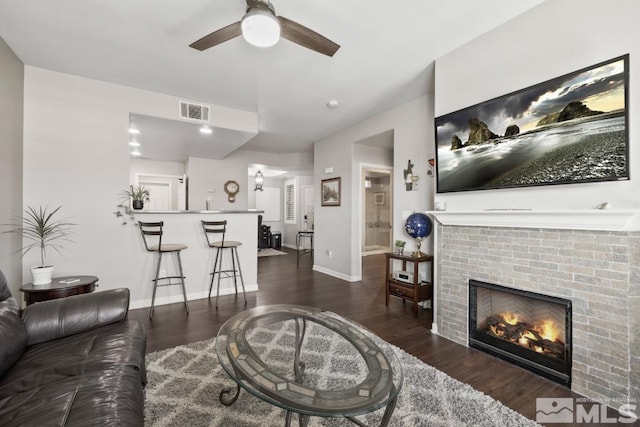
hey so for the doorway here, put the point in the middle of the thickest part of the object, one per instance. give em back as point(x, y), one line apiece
point(377, 216)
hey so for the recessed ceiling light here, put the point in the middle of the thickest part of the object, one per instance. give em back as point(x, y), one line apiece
point(206, 130)
point(136, 153)
point(134, 131)
point(134, 143)
point(332, 103)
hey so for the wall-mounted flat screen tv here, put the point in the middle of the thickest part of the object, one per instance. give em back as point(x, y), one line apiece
point(570, 129)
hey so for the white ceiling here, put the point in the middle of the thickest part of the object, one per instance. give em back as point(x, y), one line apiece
point(386, 55)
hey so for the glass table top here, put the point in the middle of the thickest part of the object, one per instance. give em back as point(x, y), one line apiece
point(343, 369)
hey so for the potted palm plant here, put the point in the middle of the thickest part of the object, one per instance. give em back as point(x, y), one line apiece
point(138, 195)
point(42, 231)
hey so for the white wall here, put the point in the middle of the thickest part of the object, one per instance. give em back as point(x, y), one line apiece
point(552, 39)
point(11, 110)
point(412, 124)
point(207, 178)
point(76, 155)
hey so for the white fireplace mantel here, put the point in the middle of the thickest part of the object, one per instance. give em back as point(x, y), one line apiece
point(573, 219)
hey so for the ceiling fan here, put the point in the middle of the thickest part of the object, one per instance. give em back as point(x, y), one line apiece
point(261, 27)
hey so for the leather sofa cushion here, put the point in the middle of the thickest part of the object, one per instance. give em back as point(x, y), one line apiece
point(13, 336)
point(118, 344)
point(50, 320)
point(38, 407)
point(113, 397)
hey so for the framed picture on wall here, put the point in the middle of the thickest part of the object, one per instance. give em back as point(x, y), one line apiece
point(378, 199)
point(331, 191)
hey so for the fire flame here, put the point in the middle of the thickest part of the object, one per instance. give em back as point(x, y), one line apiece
point(510, 318)
point(524, 339)
point(530, 338)
point(548, 330)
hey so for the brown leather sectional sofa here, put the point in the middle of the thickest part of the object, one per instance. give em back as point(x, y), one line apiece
point(74, 361)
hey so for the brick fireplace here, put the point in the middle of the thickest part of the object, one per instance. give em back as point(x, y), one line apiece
point(598, 271)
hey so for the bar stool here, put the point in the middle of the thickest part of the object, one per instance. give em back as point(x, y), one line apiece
point(220, 228)
point(155, 229)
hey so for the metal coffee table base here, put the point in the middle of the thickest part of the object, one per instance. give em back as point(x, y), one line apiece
point(228, 395)
point(303, 419)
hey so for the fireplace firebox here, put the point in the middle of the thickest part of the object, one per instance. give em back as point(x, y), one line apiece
point(529, 329)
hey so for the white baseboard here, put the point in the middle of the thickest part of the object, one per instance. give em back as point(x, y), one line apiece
point(302, 246)
point(190, 297)
point(434, 328)
point(337, 274)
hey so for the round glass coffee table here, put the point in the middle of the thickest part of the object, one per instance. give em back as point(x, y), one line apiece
point(265, 352)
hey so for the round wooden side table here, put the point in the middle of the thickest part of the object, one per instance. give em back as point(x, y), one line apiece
point(59, 287)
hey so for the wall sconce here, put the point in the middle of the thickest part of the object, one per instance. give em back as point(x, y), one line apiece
point(259, 181)
point(408, 176)
point(414, 182)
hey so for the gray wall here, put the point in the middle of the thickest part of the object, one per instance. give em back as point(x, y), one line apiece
point(550, 40)
point(11, 121)
point(520, 53)
point(412, 126)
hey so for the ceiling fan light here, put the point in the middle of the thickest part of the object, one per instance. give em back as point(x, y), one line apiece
point(260, 28)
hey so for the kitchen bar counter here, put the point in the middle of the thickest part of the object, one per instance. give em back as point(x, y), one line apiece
point(197, 261)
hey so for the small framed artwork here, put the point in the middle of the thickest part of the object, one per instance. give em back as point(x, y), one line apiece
point(331, 192)
point(378, 199)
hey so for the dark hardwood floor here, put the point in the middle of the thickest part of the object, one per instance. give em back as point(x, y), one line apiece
point(282, 283)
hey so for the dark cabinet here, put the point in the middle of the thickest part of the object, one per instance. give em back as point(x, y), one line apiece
point(409, 288)
point(264, 237)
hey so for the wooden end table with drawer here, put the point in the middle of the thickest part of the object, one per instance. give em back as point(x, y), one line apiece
point(59, 287)
point(416, 291)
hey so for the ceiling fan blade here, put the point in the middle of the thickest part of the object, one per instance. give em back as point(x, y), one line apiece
point(306, 37)
point(218, 36)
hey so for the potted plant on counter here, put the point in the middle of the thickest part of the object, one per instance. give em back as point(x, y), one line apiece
point(42, 231)
point(399, 244)
point(138, 195)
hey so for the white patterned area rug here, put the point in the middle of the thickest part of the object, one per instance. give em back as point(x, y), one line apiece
point(185, 382)
point(269, 252)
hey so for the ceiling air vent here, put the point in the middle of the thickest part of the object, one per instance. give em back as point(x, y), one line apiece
point(194, 111)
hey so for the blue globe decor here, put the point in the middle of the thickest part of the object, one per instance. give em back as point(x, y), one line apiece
point(418, 226)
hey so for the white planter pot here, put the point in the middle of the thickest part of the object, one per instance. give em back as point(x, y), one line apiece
point(42, 275)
